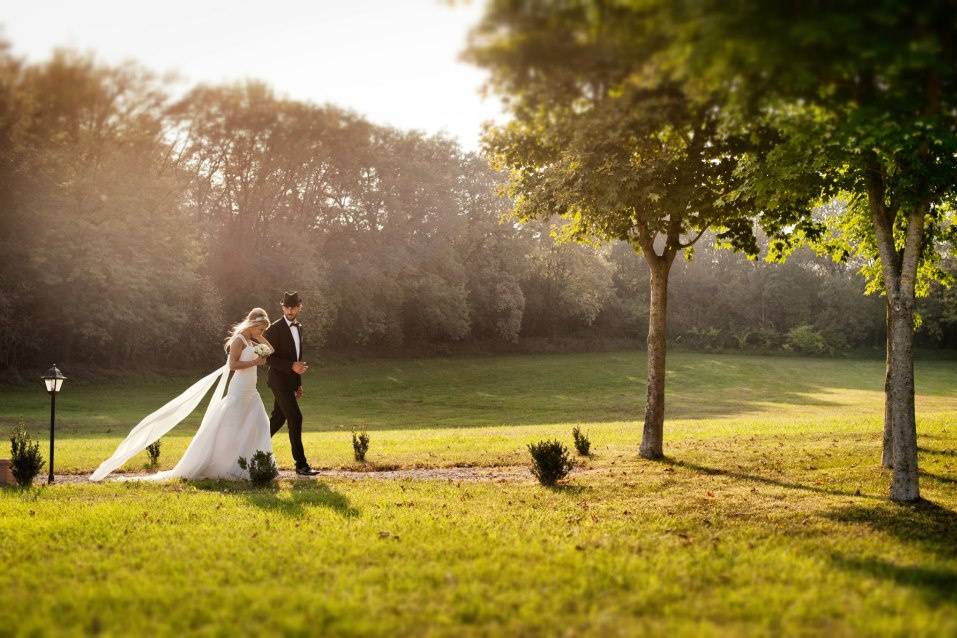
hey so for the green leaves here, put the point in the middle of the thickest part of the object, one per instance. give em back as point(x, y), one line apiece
point(601, 134)
point(848, 98)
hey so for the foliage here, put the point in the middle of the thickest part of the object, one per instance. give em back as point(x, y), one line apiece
point(854, 115)
point(858, 113)
point(397, 235)
point(262, 468)
point(601, 136)
point(938, 312)
point(550, 461)
point(806, 339)
point(89, 181)
point(582, 444)
point(360, 445)
point(25, 459)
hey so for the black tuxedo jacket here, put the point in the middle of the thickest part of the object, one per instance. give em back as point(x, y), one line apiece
point(281, 376)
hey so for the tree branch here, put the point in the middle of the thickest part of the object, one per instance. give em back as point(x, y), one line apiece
point(695, 240)
point(645, 242)
point(673, 240)
point(913, 245)
point(883, 228)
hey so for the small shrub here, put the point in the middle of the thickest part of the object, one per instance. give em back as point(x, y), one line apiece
point(582, 444)
point(806, 339)
point(360, 445)
point(262, 469)
point(742, 338)
point(25, 459)
point(835, 340)
point(702, 339)
point(550, 461)
point(153, 449)
point(765, 338)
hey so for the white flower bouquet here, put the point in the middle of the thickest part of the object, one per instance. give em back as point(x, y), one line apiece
point(262, 350)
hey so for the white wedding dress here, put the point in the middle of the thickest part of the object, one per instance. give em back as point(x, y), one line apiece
point(234, 425)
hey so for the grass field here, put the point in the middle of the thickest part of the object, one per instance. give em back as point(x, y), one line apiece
point(768, 517)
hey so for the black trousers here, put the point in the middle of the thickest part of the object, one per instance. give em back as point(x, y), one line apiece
point(285, 409)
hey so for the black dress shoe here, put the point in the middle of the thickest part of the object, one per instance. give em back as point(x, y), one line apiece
point(305, 470)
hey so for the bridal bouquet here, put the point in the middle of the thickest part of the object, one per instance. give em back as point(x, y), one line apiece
point(262, 350)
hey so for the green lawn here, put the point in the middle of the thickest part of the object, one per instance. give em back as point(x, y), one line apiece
point(769, 516)
point(483, 410)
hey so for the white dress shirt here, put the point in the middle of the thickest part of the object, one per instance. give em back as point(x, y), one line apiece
point(295, 337)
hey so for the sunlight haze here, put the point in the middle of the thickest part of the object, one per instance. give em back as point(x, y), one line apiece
point(393, 62)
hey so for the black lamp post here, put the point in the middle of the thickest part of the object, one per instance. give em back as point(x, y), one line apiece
point(53, 380)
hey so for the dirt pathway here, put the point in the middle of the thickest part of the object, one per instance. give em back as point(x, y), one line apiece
point(500, 474)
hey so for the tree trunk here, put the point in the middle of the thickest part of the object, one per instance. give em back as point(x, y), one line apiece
point(904, 484)
point(887, 454)
point(652, 437)
point(901, 291)
point(899, 269)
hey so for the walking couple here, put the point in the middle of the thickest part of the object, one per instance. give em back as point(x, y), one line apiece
point(235, 423)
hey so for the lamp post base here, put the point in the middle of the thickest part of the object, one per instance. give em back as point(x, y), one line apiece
point(52, 419)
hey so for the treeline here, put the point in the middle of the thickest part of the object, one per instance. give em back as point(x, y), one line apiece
point(134, 227)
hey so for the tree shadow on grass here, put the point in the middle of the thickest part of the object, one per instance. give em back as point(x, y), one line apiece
point(294, 502)
point(743, 476)
point(935, 437)
point(928, 526)
point(925, 524)
point(938, 584)
point(938, 477)
point(924, 450)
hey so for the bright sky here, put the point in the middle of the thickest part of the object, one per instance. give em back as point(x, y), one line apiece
point(393, 61)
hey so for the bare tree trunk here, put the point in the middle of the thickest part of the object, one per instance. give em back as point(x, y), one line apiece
point(887, 454)
point(652, 437)
point(904, 484)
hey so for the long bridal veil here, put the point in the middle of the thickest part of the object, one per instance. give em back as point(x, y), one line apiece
point(154, 426)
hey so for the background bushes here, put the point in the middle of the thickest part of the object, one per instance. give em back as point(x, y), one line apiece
point(144, 225)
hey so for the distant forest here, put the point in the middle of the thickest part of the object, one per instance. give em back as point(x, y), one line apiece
point(137, 223)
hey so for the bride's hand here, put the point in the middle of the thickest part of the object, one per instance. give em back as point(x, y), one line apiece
point(261, 361)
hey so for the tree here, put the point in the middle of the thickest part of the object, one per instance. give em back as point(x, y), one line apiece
point(602, 137)
point(494, 255)
point(566, 285)
point(97, 228)
point(860, 102)
point(255, 166)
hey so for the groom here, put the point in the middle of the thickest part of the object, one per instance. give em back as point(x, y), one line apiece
point(286, 368)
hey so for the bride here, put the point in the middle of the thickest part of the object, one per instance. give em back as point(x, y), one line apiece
point(234, 425)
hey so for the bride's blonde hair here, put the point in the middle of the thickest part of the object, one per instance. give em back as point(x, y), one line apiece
point(255, 317)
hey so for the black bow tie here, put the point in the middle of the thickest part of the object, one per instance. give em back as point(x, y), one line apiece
point(295, 323)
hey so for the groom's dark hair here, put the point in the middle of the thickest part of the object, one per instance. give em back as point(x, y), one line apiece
point(291, 299)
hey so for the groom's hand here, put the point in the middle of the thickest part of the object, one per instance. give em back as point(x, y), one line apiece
point(299, 367)
point(299, 392)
